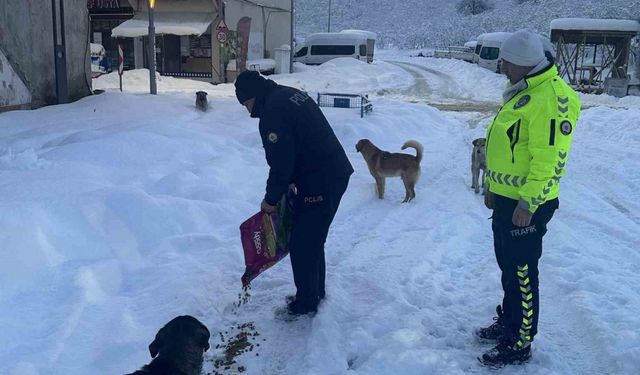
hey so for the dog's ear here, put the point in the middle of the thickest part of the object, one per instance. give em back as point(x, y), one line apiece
point(359, 146)
point(157, 343)
point(153, 348)
point(477, 141)
point(203, 337)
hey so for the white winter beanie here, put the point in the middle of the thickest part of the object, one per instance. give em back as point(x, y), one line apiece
point(523, 48)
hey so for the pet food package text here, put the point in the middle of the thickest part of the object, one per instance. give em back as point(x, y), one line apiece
point(265, 240)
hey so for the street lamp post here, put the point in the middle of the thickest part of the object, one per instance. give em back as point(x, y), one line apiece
point(152, 51)
point(293, 48)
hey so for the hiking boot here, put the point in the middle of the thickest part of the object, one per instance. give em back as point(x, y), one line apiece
point(495, 331)
point(505, 354)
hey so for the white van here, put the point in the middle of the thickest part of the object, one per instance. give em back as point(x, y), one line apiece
point(490, 51)
point(478, 47)
point(321, 47)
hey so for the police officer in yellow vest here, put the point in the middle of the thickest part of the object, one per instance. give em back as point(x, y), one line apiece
point(528, 146)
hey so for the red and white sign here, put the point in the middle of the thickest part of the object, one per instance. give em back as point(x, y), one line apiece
point(222, 25)
point(120, 59)
point(222, 31)
point(222, 36)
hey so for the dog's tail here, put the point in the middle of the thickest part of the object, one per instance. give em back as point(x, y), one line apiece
point(418, 146)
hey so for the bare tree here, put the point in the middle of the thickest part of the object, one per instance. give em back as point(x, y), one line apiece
point(473, 7)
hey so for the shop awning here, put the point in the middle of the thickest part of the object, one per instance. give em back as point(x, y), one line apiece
point(175, 23)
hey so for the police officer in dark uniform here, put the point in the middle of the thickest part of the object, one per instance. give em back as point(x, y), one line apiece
point(301, 149)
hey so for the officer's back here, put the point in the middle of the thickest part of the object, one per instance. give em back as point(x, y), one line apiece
point(316, 146)
point(319, 156)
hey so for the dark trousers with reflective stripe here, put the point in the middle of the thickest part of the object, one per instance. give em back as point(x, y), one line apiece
point(311, 220)
point(517, 252)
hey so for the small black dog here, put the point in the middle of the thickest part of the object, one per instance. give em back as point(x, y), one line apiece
point(201, 101)
point(178, 348)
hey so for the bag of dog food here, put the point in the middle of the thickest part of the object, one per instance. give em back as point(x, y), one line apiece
point(265, 240)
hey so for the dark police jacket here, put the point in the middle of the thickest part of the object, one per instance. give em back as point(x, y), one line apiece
point(299, 144)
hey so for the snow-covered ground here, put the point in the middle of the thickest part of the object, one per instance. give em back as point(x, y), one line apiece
point(121, 211)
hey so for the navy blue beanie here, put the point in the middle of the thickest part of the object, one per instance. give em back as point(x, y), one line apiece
point(249, 84)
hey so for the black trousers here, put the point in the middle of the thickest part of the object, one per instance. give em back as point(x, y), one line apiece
point(312, 217)
point(517, 252)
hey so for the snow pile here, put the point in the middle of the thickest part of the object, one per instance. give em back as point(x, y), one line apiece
point(27, 159)
point(346, 75)
point(138, 81)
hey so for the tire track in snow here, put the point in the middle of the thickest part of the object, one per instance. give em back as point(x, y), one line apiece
point(430, 80)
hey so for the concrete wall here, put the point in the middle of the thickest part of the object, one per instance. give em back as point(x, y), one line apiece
point(13, 92)
point(26, 37)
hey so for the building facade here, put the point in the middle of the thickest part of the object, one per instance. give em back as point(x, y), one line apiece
point(27, 63)
point(188, 43)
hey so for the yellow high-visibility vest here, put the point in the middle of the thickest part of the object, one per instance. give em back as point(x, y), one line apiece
point(529, 140)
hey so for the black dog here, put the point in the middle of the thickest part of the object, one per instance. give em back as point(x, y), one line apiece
point(178, 348)
point(201, 101)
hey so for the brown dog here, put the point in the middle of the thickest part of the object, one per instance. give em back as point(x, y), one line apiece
point(384, 164)
point(178, 348)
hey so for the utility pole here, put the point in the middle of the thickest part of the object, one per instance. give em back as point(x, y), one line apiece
point(293, 48)
point(152, 51)
point(329, 23)
point(59, 55)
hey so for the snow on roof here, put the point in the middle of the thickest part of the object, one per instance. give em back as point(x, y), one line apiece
point(595, 24)
point(480, 37)
point(368, 34)
point(175, 23)
point(498, 36)
point(471, 43)
point(333, 37)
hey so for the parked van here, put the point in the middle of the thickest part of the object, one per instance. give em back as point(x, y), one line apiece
point(490, 51)
point(321, 47)
point(478, 47)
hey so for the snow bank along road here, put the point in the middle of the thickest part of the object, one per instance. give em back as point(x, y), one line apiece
point(121, 211)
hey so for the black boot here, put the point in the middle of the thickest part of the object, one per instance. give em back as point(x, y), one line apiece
point(294, 309)
point(495, 331)
point(292, 297)
point(505, 354)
